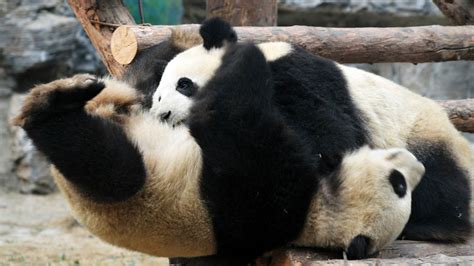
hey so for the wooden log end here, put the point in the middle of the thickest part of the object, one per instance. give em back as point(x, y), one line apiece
point(124, 45)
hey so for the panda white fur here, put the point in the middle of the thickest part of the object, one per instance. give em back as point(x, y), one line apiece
point(336, 109)
point(220, 187)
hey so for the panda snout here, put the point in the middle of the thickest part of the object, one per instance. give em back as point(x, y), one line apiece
point(165, 116)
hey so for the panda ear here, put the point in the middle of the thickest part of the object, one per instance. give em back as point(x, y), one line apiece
point(215, 31)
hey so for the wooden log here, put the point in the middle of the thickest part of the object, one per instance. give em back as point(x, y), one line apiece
point(99, 20)
point(461, 113)
point(244, 12)
point(459, 12)
point(400, 252)
point(345, 45)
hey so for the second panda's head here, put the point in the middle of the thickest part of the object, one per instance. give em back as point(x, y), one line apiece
point(365, 204)
point(191, 70)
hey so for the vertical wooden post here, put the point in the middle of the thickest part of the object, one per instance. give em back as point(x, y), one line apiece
point(459, 12)
point(99, 20)
point(244, 12)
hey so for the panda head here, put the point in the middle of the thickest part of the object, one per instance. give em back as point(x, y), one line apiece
point(190, 70)
point(365, 204)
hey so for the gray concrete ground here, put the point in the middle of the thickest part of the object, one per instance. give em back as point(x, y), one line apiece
point(39, 230)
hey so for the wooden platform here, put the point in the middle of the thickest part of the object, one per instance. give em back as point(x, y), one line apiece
point(399, 253)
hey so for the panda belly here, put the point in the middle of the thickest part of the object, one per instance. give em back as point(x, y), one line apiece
point(167, 216)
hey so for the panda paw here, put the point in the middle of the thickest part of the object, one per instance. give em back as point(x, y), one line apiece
point(116, 102)
point(60, 95)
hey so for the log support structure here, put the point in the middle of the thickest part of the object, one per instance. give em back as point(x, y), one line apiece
point(99, 20)
point(345, 45)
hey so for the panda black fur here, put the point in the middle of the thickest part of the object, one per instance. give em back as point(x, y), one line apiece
point(239, 182)
point(336, 109)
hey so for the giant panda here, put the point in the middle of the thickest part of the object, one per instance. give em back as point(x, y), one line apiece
point(335, 109)
point(235, 182)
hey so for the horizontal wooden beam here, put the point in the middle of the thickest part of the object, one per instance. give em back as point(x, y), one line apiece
point(461, 113)
point(401, 252)
point(345, 45)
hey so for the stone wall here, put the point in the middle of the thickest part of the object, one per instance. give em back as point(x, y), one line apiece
point(400, 7)
point(40, 40)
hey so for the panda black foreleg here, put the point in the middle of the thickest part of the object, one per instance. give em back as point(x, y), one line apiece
point(93, 153)
point(258, 177)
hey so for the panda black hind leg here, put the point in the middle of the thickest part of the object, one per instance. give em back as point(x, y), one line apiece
point(93, 153)
point(441, 202)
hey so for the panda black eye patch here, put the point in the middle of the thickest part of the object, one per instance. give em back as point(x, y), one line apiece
point(398, 183)
point(186, 87)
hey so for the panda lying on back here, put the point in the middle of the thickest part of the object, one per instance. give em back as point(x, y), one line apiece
point(239, 182)
point(336, 109)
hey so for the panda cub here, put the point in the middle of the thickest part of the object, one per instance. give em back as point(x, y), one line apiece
point(238, 181)
point(336, 109)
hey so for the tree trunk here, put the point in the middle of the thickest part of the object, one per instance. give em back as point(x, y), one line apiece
point(99, 20)
point(459, 12)
point(244, 12)
point(461, 113)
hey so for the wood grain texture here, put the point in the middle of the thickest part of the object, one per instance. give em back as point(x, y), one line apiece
point(459, 12)
point(348, 45)
point(400, 252)
point(461, 113)
point(244, 12)
point(107, 14)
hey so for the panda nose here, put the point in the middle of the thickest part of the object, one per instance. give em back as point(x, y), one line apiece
point(165, 116)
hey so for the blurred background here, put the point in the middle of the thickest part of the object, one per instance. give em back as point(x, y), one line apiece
point(40, 40)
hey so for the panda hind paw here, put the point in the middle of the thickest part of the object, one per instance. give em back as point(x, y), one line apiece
point(47, 99)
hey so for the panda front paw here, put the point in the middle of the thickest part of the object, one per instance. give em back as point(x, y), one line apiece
point(45, 100)
point(116, 102)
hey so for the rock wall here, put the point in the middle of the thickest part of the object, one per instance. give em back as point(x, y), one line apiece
point(40, 40)
point(405, 7)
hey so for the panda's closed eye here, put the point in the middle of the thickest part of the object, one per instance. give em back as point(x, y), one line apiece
point(186, 87)
point(398, 183)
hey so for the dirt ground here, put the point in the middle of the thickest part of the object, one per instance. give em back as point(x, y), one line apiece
point(39, 230)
